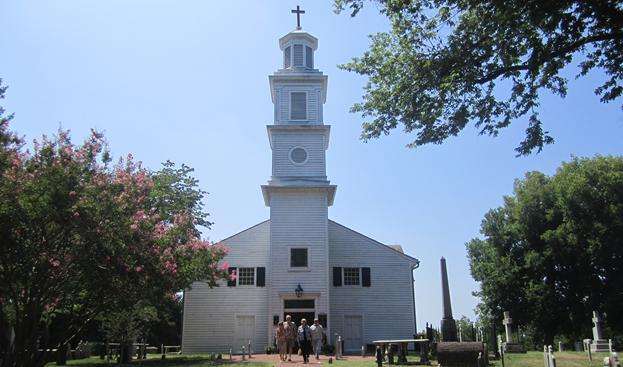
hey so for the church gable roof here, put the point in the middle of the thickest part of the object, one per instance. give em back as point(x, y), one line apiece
point(392, 249)
point(253, 227)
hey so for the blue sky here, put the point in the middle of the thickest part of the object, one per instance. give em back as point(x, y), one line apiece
point(187, 81)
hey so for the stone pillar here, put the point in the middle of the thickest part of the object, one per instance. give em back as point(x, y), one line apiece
point(508, 322)
point(598, 325)
point(599, 344)
point(448, 325)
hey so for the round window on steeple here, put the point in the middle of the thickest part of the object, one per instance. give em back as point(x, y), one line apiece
point(298, 155)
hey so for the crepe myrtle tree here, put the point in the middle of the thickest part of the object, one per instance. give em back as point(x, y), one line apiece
point(445, 64)
point(82, 237)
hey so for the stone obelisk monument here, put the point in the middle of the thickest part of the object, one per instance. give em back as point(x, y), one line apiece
point(448, 325)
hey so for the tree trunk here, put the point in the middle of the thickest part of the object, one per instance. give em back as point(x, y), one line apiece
point(125, 353)
point(61, 354)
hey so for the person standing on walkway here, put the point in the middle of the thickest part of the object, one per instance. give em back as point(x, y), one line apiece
point(304, 339)
point(282, 342)
point(317, 334)
point(290, 328)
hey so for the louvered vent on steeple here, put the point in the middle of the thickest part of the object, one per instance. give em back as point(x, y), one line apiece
point(298, 55)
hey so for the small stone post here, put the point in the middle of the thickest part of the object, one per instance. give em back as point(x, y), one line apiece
point(610, 345)
point(460, 334)
point(244, 353)
point(230, 354)
point(559, 346)
point(164, 354)
point(249, 349)
point(338, 347)
point(363, 350)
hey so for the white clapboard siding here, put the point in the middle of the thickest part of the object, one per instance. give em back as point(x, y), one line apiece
point(387, 307)
point(210, 314)
point(282, 105)
point(312, 141)
point(298, 219)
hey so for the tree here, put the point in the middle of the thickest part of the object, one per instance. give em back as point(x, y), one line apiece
point(552, 253)
point(448, 63)
point(82, 236)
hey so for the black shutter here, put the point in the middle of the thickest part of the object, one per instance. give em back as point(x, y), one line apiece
point(322, 319)
point(337, 276)
point(261, 276)
point(365, 277)
point(231, 282)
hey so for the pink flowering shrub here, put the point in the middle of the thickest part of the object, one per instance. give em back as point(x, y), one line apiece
point(81, 235)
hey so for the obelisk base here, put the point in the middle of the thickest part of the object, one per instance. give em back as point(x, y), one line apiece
point(513, 348)
point(600, 345)
point(448, 330)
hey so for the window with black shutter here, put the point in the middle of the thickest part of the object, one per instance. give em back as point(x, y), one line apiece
point(365, 277)
point(322, 319)
point(260, 273)
point(337, 276)
point(231, 282)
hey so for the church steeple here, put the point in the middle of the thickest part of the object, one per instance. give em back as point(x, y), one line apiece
point(298, 138)
point(298, 89)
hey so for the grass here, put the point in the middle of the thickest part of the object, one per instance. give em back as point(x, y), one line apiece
point(171, 361)
point(202, 360)
point(563, 359)
point(530, 359)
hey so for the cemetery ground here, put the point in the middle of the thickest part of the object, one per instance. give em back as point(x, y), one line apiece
point(530, 359)
point(563, 359)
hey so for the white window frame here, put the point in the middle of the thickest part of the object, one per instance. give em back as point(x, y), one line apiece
point(298, 268)
point(252, 272)
point(344, 276)
point(306, 105)
point(292, 160)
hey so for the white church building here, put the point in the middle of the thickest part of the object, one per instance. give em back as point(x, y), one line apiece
point(299, 262)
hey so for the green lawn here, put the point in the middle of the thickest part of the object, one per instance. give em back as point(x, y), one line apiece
point(530, 359)
point(171, 361)
point(563, 359)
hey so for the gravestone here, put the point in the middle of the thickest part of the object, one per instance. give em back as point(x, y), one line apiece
point(599, 344)
point(451, 353)
point(466, 354)
point(511, 346)
point(448, 325)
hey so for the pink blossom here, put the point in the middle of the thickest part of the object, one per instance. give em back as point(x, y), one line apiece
point(138, 269)
point(55, 263)
point(72, 194)
point(225, 265)
point(76, 215)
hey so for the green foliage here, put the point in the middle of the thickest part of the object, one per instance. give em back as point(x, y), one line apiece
point(447, 63)
point(552, 253)
point(82, 237)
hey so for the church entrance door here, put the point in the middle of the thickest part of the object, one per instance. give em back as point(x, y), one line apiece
point(297, 316)
point(300, 309)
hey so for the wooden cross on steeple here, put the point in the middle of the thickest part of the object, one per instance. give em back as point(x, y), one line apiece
point(298, 13)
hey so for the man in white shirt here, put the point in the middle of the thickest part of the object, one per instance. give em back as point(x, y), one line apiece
point(317, 332)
